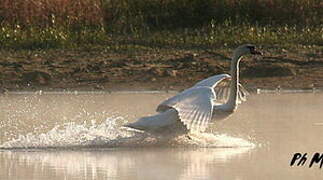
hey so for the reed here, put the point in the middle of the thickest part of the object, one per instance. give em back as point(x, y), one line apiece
point(70, 23)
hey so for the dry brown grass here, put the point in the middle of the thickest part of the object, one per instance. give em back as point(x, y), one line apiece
point(154, 13)
point(51, 13)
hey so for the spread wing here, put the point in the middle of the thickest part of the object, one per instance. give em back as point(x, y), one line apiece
point(194, 107)
point(221, 85)
point(222, 91)
point(213, 80)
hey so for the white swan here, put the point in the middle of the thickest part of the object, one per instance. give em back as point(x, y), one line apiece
point(192, 110)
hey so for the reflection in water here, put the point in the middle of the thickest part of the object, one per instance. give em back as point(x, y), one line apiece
point(119, 163)
point(199, 162)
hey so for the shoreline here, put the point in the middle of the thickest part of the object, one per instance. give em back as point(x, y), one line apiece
point(156, 69)
point(96, 92)
point(87, 90)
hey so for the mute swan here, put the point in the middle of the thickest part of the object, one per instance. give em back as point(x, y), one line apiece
point(209, 100)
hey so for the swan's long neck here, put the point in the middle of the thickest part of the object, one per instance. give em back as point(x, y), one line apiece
point(232, 102)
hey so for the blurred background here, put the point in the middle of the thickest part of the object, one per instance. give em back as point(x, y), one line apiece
point(62, 23)
point(108, 44)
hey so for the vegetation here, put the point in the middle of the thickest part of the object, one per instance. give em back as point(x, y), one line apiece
point(39, 24)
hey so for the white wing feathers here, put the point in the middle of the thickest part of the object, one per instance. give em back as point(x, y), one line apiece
point(195, 105)
point(213, 80)
point(222, 91)
point(221, 85)
point(242, 94)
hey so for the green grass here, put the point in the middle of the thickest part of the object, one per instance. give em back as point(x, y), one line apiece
point(119, 24)
point(208, 36)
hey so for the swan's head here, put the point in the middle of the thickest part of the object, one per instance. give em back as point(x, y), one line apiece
point(246, 49)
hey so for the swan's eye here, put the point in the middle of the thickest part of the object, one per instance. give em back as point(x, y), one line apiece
point(251, 48)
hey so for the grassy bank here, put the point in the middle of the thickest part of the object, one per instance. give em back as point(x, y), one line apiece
point(213, 36)
point(41, 24)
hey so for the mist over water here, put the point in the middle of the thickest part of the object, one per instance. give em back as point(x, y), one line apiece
point(47, 133)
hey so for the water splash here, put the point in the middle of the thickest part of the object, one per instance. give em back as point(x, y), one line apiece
point(109, 134)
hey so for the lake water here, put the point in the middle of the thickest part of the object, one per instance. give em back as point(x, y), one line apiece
point(58, 137)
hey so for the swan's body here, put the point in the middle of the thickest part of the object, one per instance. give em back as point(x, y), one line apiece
point(209, 100)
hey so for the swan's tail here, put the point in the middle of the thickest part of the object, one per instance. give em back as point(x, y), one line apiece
point(166, 120)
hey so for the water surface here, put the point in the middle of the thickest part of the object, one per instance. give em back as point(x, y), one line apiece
point(79, 137)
